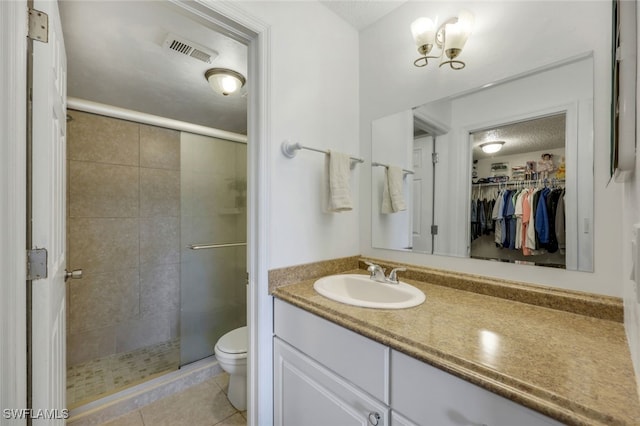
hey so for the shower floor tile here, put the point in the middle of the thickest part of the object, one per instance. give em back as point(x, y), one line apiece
point(103, 376)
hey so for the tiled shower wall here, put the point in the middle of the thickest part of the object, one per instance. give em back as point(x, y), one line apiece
point(123, 230)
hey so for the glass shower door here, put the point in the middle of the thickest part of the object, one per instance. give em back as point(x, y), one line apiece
point(213, 243)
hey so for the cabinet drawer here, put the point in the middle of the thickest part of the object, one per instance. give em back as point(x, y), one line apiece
point(429, 396)
point(358, 359)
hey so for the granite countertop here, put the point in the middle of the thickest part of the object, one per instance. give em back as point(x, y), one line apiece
point(574, 368)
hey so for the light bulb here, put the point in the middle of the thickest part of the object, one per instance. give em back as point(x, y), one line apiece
point(423, 31)
point(224, 81)
point(492, 147)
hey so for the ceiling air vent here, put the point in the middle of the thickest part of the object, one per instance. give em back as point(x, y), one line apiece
point(182, 46)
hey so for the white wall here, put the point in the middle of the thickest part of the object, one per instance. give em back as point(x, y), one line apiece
point(509, 38)
point(314, 101)
point(631, 216)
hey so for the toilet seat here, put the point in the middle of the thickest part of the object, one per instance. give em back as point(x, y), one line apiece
point(233, 344)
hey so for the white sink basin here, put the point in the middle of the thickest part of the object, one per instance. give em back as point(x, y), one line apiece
point(360, 290)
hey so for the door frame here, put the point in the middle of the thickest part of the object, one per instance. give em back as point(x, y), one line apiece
point(13, 123)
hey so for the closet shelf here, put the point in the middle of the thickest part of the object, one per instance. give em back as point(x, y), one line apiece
point(551, 181)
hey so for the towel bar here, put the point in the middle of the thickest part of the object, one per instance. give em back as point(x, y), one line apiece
point(290, 149)
point(405, 171)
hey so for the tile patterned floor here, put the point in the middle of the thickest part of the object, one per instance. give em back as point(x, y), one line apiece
point(205, 404)
point(98, 378)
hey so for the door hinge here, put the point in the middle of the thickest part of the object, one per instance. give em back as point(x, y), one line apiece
point(434, 157)
point(36, 264)
point(434, 229)
point(38, 26)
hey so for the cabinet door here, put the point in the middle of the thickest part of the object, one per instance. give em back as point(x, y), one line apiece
point(429, 396)
point(306, 393)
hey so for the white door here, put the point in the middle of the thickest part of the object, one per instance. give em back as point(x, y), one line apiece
point(422, 193)
point(48, 382)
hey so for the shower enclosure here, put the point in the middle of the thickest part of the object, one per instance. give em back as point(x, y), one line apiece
point(213, 242)
point(156, 218)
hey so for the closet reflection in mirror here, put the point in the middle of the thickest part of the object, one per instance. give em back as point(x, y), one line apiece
point(517, 192)
point(434, 143)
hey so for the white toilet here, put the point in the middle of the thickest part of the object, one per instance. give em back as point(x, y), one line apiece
point(231, 353)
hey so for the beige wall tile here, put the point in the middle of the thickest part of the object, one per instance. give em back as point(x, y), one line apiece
point(159, 148)
point(101, 139)
point(92, 344)
point(104, 299)
point(159, 240)
point(102, 190)
point(160, 289)
point(159, 193)
point(99, 245)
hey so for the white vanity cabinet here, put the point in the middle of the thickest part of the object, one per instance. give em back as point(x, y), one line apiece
point(325, 374)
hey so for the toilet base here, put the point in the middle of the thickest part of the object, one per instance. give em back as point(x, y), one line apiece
point(237, 392)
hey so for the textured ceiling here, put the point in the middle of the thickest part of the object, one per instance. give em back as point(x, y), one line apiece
point(362, 13)
point(540, 134)
point(115, 57)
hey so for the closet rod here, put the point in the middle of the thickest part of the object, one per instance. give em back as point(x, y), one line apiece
point(405, 171)
point(290, 149)
point(522, 182)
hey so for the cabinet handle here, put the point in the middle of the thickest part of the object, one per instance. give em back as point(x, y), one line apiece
point(374, 419)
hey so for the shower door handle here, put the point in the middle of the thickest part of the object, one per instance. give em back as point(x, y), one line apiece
point(76, 274)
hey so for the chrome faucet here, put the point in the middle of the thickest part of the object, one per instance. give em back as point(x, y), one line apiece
point(376, 273)
point(393, 275)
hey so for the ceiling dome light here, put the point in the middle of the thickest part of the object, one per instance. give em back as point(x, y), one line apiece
point(224, 81)
point(492, 147)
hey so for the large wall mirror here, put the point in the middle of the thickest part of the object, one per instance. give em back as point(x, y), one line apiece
point(436, 191)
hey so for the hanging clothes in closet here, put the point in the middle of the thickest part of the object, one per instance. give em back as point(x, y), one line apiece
point(521, 216)
point(481, 213)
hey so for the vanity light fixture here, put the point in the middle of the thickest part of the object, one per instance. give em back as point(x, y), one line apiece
point(449, 37)
point(492, 147)
point(224, 81)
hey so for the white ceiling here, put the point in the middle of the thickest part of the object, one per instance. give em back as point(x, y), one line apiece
point(362, 13)
point(115, 57)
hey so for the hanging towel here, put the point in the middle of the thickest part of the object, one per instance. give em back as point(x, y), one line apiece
point(392, 198)
point(339, 191)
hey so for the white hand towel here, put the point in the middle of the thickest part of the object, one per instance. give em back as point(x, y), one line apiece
point(392, 197)
point(339, 194)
